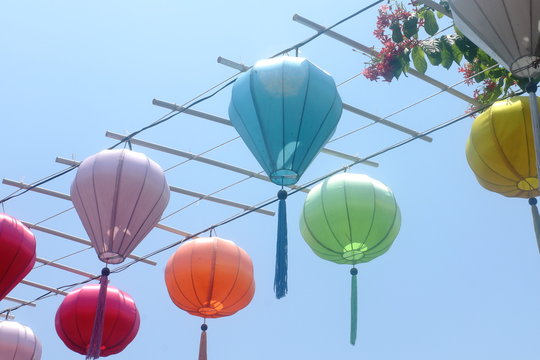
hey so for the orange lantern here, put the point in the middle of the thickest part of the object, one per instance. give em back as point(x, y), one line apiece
point(211, 278)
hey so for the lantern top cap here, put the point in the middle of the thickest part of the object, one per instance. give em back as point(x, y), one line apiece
point(289, 59)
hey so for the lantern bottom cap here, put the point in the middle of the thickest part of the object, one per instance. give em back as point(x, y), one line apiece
point(524, 67)
point(354, 251)
point(528, 184)
point(284, 177)
point(111, 257)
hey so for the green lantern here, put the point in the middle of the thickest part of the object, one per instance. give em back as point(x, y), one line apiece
point(350, 219)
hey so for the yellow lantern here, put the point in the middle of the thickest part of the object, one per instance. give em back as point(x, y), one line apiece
point(500, 149)
point(501, 152)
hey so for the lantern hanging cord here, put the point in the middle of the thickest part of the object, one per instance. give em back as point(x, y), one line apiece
point(263, 205)
point(311, 38)
point(307, 185)
point(50, 293)
point(331, 141)
point(126, 139)
point(192, 103)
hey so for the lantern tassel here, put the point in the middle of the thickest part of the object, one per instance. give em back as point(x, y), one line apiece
point(203, 355)
point(354, 304)
point(280, 278)
point(94, 348)
point(536, 219)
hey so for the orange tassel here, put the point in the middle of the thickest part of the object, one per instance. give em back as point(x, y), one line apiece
point(202, 345)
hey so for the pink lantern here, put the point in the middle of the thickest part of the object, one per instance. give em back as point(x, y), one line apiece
point(18, 342)
point(120, 196)
point(17, 253)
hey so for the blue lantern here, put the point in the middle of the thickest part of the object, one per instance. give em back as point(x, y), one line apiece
point(285, 109)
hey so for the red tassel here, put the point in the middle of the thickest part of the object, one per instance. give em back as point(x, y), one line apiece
point(202, 345)
point(94, 348)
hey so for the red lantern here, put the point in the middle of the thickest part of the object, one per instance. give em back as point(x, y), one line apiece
point(210, 278)
point(75, 320)
point(17, 253)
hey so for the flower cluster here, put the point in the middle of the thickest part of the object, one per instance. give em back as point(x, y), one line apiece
point(398, 30)
point(468, 73)
point(386, 62)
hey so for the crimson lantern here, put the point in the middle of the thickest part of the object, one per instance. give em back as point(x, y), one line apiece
point(17, 253)
point(75, 320)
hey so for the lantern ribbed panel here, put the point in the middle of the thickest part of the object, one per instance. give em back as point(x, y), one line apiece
point(18, 342)
point(350, 219)
point(120, 196)
point(210, 277)
point(505, 29)
point(285, 109)
point(17, 253)
point(500, 149)
point(75, 320)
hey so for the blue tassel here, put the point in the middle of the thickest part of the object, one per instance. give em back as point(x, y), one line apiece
point(280, 279)
point(354, 305)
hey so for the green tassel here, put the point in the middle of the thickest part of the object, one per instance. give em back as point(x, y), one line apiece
point(280, 278)
point(536, 220)
point(354, 305)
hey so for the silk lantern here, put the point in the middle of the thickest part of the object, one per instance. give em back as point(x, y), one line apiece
point(75, 318)
point(119, 196)
point(285, 109)
point(505, 29)
point(508, 31)
point(18, 342)
point(210, 278)
point(350, 219)
point(500, 152)
point(17, 253)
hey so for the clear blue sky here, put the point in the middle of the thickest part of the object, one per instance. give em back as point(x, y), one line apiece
point(461, 280)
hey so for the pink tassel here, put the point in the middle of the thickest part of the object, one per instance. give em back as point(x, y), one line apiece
point(94, 348)
point(202, 345)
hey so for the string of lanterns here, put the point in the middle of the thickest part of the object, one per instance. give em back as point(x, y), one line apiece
point(120, 195)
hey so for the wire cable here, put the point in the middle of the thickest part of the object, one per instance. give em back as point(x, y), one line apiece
point(319, 33)
point(269, 202)
point(175, 113)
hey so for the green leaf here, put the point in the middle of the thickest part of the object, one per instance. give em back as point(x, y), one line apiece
point(397, 37)
point(480, 77)
point(494, 95)
point(410, 26)
point(395, 63)
point(430, 23)
point(405, 61)
point(440, 15)
point(468, 48)
point(419, 60)
point(456, 53)
point(508, 82)
point(445, 4)
point(447, 59)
